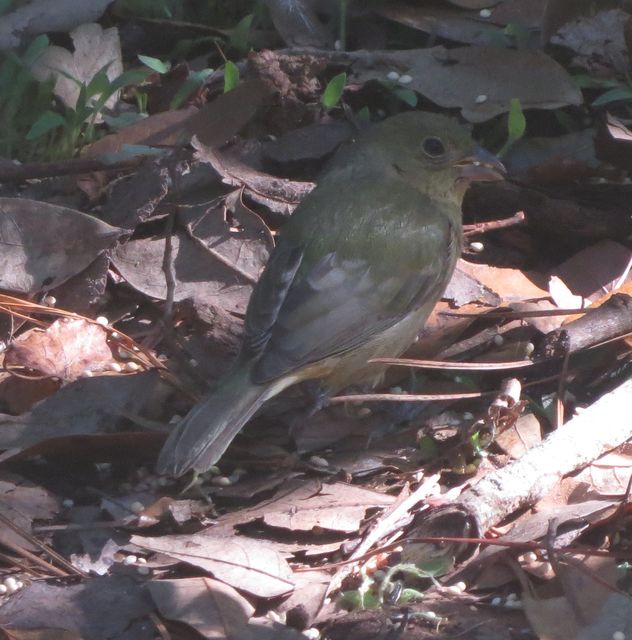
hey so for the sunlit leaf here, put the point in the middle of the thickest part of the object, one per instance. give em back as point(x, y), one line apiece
point(333, 91)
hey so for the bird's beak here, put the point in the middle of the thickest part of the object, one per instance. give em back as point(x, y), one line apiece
point(481, 166)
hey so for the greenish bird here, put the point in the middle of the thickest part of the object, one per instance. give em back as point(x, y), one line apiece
point(358, 269)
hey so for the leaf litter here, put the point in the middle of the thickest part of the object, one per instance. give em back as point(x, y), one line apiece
point(418, 515)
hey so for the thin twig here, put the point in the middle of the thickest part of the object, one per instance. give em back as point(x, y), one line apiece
point(493, 225)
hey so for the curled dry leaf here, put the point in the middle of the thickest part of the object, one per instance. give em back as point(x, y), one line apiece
point(69, 349)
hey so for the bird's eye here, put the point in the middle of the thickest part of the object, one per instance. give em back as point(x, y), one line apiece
point(433, 147)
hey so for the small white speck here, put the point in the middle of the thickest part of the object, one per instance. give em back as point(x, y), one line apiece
point(317, 461)
point(529, 348)
point(499, 340)
point(115, 366)
point(512, 597)
point(513, 604)
point(68, 503)
point(130, 560)
point(221, 481)
point(396, 390)
point(480, 98)
point(11, 585)
point(485, 13)
point(365, 412)
point(393, 76)
point(102, 320)
point(477, 247)
point(312, 633)
point(430, 615)
point(3, 589)
point(461, 586)
point(496, 602)
point(131, 366)
point(50, 301)
point(618, 635)
point(405, 79)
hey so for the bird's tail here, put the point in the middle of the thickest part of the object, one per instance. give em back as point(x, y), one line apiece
point(202, 436)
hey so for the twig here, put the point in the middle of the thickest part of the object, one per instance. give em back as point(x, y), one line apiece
point(22, 172)
point(493, 225)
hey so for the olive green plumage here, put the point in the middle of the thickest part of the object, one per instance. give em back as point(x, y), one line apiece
point(358, 268)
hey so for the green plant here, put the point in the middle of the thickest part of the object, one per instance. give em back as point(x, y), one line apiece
point(194, 80)
point(615, 90)
point(333, 91)
point(23, 100)
point(66, 129)
point(407, 96)
point(239, 39)
point(231, 76)
point(516, 126)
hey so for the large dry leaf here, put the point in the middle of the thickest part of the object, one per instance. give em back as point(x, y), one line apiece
point(596, 270)
point(311, 507)
point(43, 245)
point(85, 407)
point(211, 607)
point(509, 284)
point(216, 264)
point(215, 610)
point(167, 128)
point(94, 48)
point(243, 563)
point(99, 608)
point(481, 81)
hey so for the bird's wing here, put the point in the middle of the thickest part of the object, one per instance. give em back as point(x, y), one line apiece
point(328, 294)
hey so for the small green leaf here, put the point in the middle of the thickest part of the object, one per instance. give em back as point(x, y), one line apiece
point(44, 124)
point(428, 449)
point(240, 36)
point(133, 76)
point(195, 79)
point(35, 50)
point(155, 64)
point(406, 95)
point(614, 95)
point(516, 125)
point(99, 84)
point(364, 115)
point(333, 91)
point(231, 76)
point(584, 81)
